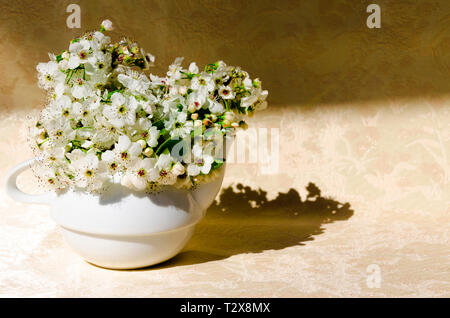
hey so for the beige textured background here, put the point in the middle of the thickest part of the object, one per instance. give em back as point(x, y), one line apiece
point(363, 115)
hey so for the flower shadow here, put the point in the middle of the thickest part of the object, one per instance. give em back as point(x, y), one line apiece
point(245, 221)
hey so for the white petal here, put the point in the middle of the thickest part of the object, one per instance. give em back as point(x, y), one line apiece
point(109, 156)
point(197, 151)
point(140, 183)
point(152, 175)
point(148, 163)
point(135, 149)
point(117, 99)
point(206, 168)
point(193, 169)
point(74, 62)
point(193, 68)
point(124, 143)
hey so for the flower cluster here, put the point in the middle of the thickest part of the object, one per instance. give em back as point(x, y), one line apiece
point(107, 120)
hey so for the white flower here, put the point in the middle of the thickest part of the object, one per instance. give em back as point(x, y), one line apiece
point(107, 25)
point(178, 126)
point(134, 81)
point(202, 162)
point(60, 131)
point(226, 92)
point(60, 89)
point(203, 82)
point(193, 68)
point(99, 41)
point(148, 103)
point(60, 107)
point(109, 122)
point(51, 176)
point(178, 169)
point(125, 151)
point(104, 136)
point(174, 70)
point(248, 83)
point(81, 88)
point(149, 59)
point(216, 107)
point(79, 53)
point(146, 132)
point(140, 173)
point(122, 110)
point(54, 154)
point(98, 66)
point(111, 160)
point(200, 165)
point(152, 137)
point(249, 100)
point(261, 102)
point(167, 178)
point(164, 162)
point(196, 99)
point(88, 172)
point(49, 74)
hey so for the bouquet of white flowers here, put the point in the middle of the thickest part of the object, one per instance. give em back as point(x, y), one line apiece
point(107, 120)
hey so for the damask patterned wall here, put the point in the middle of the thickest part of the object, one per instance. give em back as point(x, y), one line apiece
point(306, 52)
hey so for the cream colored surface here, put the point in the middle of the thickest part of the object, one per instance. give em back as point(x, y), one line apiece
point(363, 114)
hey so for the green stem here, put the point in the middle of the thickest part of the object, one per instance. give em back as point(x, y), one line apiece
point(40, 144)
point(70, 77)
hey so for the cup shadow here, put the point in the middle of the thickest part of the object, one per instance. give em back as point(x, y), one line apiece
point(243, 220)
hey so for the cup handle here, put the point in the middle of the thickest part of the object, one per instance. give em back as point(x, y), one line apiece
point(14, 192)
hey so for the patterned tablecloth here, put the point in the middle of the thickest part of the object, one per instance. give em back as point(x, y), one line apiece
point(359, 206)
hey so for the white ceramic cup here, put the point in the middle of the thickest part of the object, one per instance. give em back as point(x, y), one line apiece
point(123, 229)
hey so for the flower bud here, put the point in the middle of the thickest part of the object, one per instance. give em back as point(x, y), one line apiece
point(178, 169)
point(192, 107)
point(107, 25)
point(197, 123)
point(229, 116)
point(235, 125)
point(182, 90)
point(148, 151)
point(142, 143)
point(226, 123)
point(194, 116)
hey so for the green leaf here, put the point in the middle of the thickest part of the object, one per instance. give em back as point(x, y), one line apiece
point(159, 124)
point(112, 92)
point(189, 75)
point(217, 164)
point(76, 143)
point(211, 68)
point(168, 144)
